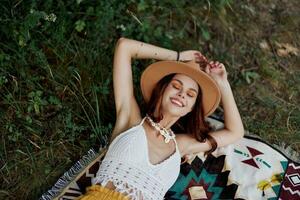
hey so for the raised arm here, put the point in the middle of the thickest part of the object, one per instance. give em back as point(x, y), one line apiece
point(127, 109)
point(233, 126)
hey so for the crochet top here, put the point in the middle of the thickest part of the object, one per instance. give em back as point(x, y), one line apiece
point(126, 164)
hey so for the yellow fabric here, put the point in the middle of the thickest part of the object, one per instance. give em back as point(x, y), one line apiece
point(97, 192)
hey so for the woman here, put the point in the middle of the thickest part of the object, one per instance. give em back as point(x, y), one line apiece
point(143, 159)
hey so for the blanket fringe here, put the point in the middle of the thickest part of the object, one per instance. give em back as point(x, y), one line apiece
point(69, 176)
point(288, 151)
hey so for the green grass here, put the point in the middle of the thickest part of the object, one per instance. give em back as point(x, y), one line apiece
point(56, 73)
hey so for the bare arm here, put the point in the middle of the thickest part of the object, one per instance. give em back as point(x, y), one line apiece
point(127, 110)
point(233, 126)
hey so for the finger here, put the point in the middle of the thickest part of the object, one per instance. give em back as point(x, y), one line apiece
point(221, 66)
point(197, 57)
point(200, 56)
point(212, 64)
point(207, 70)
point(209, 64)
point(197, 54)
point(218, 65)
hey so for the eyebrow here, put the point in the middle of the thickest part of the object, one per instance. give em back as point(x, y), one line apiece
point(182, 84)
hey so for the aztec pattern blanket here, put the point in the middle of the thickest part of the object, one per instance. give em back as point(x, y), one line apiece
point(249, 169)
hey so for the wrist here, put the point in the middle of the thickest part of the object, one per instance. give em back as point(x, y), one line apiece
point(225, 89)
point(223, 84)
point(172, 56)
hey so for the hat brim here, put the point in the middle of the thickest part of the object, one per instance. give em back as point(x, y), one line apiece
point(211, 95)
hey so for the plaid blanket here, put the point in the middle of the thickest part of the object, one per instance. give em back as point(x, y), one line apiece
point(248, 169)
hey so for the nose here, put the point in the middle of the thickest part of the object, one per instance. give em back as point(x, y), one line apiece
point(181, 94)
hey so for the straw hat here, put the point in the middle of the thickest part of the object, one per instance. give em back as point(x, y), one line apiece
point(211, 95)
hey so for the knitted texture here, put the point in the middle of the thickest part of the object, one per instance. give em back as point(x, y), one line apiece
point(127, 165)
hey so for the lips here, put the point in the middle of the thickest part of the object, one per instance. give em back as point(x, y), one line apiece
point(177, 102)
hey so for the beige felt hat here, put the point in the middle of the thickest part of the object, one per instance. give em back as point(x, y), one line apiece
point(153, 73)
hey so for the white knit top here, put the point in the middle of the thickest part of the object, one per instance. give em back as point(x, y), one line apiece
point(127, 165)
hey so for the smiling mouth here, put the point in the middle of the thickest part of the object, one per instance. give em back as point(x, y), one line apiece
point(176, 102)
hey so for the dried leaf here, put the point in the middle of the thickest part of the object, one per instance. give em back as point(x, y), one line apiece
point(282, 52)
point(284, 49)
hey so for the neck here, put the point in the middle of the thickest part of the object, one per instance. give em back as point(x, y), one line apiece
point(167, 120)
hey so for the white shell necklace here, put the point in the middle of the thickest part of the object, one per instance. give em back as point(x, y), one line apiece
point(168, 134)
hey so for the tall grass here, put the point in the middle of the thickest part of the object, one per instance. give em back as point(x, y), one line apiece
point(56, 73)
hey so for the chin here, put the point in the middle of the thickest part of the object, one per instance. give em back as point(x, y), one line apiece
point(175, 111)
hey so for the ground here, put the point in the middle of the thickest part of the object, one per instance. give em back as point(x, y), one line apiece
point(56, 73)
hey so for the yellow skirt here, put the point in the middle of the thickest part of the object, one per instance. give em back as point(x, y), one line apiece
point(97, 192)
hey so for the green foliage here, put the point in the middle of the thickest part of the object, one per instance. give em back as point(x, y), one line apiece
point(36, 102)
point(79, 25)
point(250, 76)
point(3, 80)
point(56, 74)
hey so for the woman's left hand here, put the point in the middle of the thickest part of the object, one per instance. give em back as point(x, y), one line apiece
point(217, 71)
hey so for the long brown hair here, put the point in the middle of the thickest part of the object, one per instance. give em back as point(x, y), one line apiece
point(193, 122)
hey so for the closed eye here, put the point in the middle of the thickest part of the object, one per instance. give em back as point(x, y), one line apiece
point(191, 94)
point(176, 86)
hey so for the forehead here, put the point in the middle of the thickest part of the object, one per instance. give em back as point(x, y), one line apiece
point(187, 81)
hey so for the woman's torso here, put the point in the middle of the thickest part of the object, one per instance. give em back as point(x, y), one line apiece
point(128, 166)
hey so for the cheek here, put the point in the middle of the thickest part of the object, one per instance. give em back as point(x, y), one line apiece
point(169, 91)
point(165, 96)
point(191, 103)
point(170, 88)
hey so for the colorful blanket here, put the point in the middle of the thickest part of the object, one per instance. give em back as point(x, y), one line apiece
point(248, 169)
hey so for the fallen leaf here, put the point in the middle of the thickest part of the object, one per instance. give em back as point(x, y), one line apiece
point(284, 49)
point(282, 52)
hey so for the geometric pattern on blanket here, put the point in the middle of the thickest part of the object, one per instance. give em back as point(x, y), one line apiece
point(291, 183)
point(249, 169)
